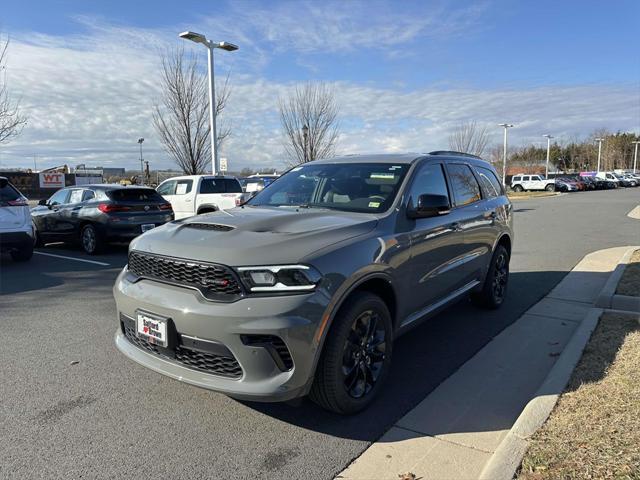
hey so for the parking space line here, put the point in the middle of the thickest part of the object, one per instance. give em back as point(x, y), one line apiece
point(73, 258)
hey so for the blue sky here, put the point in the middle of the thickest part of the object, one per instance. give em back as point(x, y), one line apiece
point(406, 73)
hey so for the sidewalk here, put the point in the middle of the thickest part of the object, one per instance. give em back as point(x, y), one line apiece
point(453, 433)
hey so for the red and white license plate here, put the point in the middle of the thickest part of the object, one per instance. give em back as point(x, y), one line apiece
point(152, 328)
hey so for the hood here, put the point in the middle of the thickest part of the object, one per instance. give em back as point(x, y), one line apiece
point(254, 235)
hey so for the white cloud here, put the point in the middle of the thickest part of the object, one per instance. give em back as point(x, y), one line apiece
point(89, 96)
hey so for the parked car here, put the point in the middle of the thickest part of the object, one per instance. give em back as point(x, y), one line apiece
point(305, 288)
point(589, 182)
point(97, 214)
point(16, 230)
point(627, 180)
point(522, 183)
point(196, 194)
point(582, 186)
point(565, 184)
point(610, 177)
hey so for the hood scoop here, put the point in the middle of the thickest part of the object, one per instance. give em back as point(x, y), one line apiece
point(209, 226)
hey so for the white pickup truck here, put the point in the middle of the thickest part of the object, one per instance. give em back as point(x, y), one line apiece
point(195, 194)
point(522, 182)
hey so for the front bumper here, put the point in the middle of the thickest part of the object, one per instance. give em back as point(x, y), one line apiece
point(294, 319)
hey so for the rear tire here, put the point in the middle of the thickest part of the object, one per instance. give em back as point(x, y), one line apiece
point(356, 356)
point(23, 254)
point(518, 188)
point(494, 289)
point(37, 239)
point(91, 240)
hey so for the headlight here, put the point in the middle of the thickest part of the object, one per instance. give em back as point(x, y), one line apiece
point(279, 278)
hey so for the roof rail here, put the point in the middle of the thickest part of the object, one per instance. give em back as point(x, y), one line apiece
point(454, 153)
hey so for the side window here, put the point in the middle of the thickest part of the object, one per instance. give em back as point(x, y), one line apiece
point(167, 188)
point(465, 186)
point(183, 187)
point(233, 186)
point(490, 184)
point(59, 198)
point(526, 179)
point(535, 177)
point(210, 185)
point(429, 180)
point(76, 196)
point(88, 195)
point(517, 179)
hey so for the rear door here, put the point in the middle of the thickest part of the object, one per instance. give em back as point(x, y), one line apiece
point(475, 217)
point(182, 199)
point(47, 217)
point(68, 221)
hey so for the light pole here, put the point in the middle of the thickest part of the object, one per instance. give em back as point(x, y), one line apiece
point(635, 156)
point(305, 135)
point(140, 140)
point(548, 137)
point(229, 47)
point(506, 126)
point(599, 140)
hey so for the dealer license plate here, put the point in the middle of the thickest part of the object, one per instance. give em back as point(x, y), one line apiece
point(148, 226)
point(152, 328)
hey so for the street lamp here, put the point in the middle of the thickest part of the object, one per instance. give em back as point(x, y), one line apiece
point(635, 156)
point(599, 140)
point(305, 135)
point(140, 140)
point(548, 137)
point(229, 47)
point(504, 156)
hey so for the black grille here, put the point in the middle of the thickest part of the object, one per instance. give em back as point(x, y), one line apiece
point(226, 366)
point(274, 345)
point(210, 226)
point(212, 280)
point(208, 362)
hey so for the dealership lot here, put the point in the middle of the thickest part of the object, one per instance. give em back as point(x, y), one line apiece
point(76, 407)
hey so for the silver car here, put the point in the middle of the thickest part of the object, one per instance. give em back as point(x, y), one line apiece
point(304, 289)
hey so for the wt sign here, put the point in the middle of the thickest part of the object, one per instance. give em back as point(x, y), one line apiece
point(52, 180)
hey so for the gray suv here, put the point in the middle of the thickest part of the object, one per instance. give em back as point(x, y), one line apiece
point(304, 289)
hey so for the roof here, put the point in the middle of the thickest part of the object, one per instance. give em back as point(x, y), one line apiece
point(401, 158)
point(108, 186)
point(187, 177)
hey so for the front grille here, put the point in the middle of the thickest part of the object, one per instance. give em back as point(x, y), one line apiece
point(223, 365)
point(208, 362)
point(210, 226)
point(214, 281)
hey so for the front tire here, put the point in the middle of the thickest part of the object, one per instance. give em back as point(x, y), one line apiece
point(494, 289)
point(23, 254)
point(356, 356)
point(91, 240)
point(518, 188)
point(550, 188)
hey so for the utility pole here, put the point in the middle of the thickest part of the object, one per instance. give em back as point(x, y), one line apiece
point(599, 140)
point(546, 171)
point(506, 126)
point(635, 156)
point(140, 140)
point(305, 135)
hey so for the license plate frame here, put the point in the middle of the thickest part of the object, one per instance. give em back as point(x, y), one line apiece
point(145, 227)
point(152, 328)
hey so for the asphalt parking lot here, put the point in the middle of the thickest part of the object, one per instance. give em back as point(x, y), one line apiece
point(73, 406)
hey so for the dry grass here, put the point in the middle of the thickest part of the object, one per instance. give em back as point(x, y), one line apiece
point(630, 281)
point(594, 431)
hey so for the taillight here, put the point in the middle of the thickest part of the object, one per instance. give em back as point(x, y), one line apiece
point(165, 206)
point(18, 202)
point(111, 208)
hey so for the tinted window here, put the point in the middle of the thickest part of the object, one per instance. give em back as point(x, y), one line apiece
point(76, 196)
point(490, 184)
point(167, 188)
point(7, 192)
point(135, 195)
point(60, 197)
point(183, 187)
point(355, 187)
point(465, 187)
point(88, 195)
point(429, 180)
point(517, 179)
point(220, 185)
point(526, 179)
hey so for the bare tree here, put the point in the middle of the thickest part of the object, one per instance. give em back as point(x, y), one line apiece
point(11, 120)
point(181, 118)
point(309, 118)
point(469, 137)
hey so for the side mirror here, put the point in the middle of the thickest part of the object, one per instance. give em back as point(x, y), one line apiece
point(430, 206)
point(42, 202)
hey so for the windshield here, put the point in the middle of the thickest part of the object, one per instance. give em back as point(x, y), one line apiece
point(353, 187)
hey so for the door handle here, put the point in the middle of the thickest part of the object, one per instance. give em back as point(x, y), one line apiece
point(187, 200)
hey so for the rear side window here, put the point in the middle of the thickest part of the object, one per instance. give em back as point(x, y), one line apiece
point(76, 196)
point(88, 195)
point(8, 193)
point(220, 185)
point(135, 195)
point(183, 187)
point(465, 186)
point(429, 180)
point(490, 184)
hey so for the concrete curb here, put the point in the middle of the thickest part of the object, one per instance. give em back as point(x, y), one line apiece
point(608, 297)
point(528, 197)
point(508, 456)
